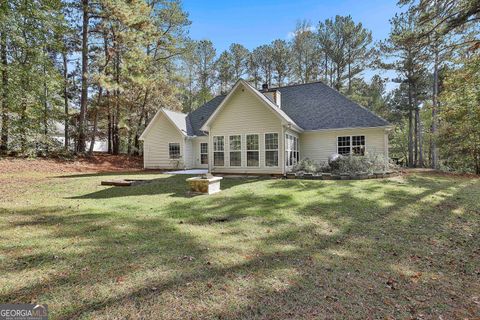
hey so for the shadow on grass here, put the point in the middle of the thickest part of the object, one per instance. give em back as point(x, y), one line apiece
point(173, 185)
point(110, 173)
point(340, 256)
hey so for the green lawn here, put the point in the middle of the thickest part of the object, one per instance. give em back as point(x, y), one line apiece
point(262, 248)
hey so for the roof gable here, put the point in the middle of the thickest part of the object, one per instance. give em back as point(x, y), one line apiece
point(177, 119)
point(243, 84)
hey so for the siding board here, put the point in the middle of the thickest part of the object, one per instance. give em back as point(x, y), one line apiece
point(246, 114)
point(318, 146)
point(156, 143)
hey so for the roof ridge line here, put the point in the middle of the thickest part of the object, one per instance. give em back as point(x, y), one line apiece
point(294, 85)
point(185, 114)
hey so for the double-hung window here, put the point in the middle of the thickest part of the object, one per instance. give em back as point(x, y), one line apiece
point(218, 151)
point(203, 153)
point(252, 150)
point(343, 145)
point(174, 151)
point(358, 145)
point(351, 145)
point(235, 150)
point(271, 149)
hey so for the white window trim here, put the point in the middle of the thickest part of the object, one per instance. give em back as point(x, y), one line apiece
point(246, 150)
point(351, 141)
point(202, 153)
point(265, 149)
point(213, 150)
point(241, 148)
point(180, 151)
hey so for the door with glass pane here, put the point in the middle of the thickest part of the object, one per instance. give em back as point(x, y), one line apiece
point(292, 154)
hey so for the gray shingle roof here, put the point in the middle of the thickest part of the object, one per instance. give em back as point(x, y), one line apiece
point(199, 116)
point(312, 106)
point(316, 106)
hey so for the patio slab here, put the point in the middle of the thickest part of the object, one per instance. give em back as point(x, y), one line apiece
point(189, 171)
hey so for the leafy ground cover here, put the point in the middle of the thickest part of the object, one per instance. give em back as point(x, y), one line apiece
point(404, 247)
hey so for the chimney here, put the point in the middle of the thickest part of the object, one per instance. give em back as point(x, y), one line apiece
point(265, 87)
point(274, 96)
point(277, 97)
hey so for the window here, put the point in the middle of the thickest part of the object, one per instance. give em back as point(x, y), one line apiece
point(292, 155)
point(358, 145)
point(271, 149)
point(218, 151)
point(351, 145)
point(343, 145)
point(236, 151)
point(174, 150)
point(203, 153)
point(252, 150)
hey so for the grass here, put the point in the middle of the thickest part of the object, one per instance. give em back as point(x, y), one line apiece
point(403, 247)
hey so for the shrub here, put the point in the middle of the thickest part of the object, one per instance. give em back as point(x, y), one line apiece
point(339, 164)
point(355, 164)
point(306, 165)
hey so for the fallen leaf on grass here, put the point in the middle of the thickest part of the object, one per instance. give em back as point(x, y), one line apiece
point(391, 283)
point(416, 276)
point(187, 258)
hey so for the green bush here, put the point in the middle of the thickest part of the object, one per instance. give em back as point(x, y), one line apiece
point(306, 165)
point(351, 164)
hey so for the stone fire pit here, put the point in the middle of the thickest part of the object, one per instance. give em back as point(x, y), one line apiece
point(206, 184)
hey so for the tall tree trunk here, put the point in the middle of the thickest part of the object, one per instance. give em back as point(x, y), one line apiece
point(94, 132)
point(129, 137)
point(5, 118)
point(65, 99)
point(418, 139)
point(95, 121)
point(349, 73)
point(116, 133)
point(45, 106)
point(23, 119)
point(326, 67)
point(338, 80)
point(410, 126)
point(84, 94)
point(109, 130)
point(139, 125)
point(415, 141)
point(433, 129)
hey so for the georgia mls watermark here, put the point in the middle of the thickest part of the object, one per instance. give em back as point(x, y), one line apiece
point(23, 311)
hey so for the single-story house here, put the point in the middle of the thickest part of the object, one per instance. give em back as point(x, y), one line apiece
point(250, 131)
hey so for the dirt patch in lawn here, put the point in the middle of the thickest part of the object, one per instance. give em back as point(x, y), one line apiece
point(95, 163)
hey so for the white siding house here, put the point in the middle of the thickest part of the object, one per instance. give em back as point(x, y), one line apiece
point(160, 140)
point(263, 132)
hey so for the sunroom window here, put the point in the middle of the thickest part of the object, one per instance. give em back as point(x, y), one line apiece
point(252, 150)
point(218, 151)
point(236, 151)
point(271, 149)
